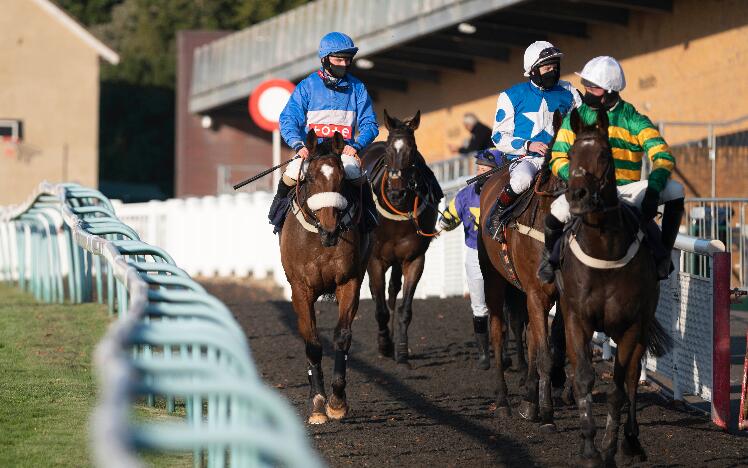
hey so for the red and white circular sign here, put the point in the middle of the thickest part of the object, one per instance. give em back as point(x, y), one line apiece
point(267, 101)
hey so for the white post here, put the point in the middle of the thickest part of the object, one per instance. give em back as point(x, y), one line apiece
point(276, 157)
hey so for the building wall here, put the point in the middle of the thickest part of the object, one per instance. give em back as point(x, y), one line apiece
point(234, 140)
point(684, 65)
point(49, 79)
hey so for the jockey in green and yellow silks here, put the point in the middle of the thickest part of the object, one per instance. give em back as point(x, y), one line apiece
point(632, 137)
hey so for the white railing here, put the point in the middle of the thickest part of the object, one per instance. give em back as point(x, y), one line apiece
point(171, 339)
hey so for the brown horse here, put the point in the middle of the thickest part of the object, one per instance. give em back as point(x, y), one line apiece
point(516, 263)
point(607, 282)
point(320, 255)
point(406, 227)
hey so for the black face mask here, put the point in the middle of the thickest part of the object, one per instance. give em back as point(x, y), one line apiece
point(337, 71)
point(605, 101)
point(546, 80)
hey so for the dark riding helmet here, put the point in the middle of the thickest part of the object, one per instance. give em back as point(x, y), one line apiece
point(488, 157)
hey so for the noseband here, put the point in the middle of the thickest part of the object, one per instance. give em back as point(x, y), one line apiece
point(321, 200)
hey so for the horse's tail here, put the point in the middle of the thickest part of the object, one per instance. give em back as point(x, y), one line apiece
point(660, 341)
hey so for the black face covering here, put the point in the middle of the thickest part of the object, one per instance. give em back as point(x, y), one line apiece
point(546, 80)
point(338, 71)
point(549, 79)
point(605, 101)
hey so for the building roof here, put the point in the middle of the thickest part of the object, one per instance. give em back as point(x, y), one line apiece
point(82, 33)
point(285, 46)
point(404, 40)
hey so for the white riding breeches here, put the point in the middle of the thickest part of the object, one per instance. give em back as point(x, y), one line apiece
point(631, 194)
point(351, 165)
point(475, 283)
point(522, 172)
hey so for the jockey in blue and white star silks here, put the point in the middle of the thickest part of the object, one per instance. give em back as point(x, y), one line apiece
point(523, 127)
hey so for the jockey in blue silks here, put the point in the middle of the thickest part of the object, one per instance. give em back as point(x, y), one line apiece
point(465, 209)
point(328, 100)
point(524, 120)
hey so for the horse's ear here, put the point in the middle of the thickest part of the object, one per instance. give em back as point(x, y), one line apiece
point(575, 121)
point(338, 143)
point(557, 120)
point(389, 123)
point(603, 122)
point(415, 121)
point(311, 141)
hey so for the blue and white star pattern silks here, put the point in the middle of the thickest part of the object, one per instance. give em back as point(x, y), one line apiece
point(524, 113)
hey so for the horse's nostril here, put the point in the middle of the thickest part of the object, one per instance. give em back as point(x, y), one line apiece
point(580, 193)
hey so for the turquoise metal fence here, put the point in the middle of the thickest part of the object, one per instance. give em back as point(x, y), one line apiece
point(171, 340)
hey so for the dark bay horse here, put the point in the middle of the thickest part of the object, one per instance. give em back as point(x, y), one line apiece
point(515, 263)
point(607, 282)
point(321, 256)
point(407, 218)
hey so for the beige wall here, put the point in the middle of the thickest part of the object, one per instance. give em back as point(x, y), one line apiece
point(49, 79)
point(686, 65)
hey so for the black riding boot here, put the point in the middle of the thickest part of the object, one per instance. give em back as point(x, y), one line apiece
point(480, 326)
point(280, 195)
point(671, 218)
point(554, 229)
point(506, 198)
point(370, 209)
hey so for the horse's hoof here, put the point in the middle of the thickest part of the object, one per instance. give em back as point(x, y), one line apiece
point(632, 451)
point(590, 462)
point(317, 418)
point(528, 411)
point(386, 348)
point(548, 427)
point(404, 364)
point(503, 412)
point(336, 413)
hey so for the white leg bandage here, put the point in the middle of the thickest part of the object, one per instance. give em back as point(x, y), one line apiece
point(475, 283)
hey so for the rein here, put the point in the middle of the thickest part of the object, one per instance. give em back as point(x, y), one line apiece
point(413, 215)
point(599, 206)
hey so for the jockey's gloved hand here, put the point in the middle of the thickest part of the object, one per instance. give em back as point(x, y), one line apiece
point(448, 222)
point(649, 204)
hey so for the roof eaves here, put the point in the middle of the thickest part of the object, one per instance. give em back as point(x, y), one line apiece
point(60, 15)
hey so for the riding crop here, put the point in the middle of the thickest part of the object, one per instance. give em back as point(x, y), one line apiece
point(263, 173)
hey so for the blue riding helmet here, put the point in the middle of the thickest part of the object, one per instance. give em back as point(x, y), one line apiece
point(336, 43)
point(489, 157)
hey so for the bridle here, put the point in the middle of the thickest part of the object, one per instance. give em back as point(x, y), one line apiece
point(598, 184)
point(410, 186)
point(309, 216)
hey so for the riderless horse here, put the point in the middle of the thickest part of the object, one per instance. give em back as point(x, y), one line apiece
point(407, 203)
point(607, 282)
point(324, 251)
point(514, 262)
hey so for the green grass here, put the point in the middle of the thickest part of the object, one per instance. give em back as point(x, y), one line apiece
point(47, 382)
